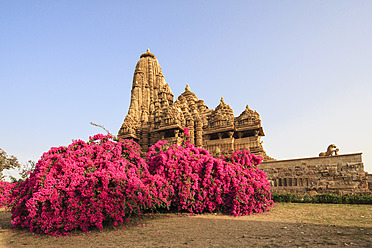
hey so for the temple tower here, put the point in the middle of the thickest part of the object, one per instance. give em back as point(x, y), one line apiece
point(153, 116)
point(148, 90)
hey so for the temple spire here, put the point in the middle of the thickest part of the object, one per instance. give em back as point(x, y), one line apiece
point(147, 54)
point(153, 115)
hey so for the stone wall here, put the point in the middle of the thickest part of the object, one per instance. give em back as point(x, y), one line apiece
point(342, 174)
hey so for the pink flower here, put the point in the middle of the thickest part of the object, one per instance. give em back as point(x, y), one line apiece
point(105, 180)
point(186, 131)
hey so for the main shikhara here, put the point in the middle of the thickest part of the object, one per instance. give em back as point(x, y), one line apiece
point(153, 115)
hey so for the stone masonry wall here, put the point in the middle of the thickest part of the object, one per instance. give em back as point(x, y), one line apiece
point(342, 174)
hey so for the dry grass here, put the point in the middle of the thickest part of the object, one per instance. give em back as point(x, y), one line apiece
point(287, 225)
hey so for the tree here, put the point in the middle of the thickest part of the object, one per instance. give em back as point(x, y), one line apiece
point(27, 169)
point(7, 162)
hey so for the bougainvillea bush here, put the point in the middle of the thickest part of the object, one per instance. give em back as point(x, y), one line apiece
point(85, 185)
point(249, 190)
point(5, 189)
point(203, 183)
point(106, 180)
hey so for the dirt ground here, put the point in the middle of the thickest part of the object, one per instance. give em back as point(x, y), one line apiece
point(287, 225)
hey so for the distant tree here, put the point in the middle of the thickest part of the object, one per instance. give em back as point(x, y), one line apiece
point(24, 171)
point(27, 169)
point(7, 162)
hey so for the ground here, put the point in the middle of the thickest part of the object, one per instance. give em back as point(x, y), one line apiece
point(287, 225)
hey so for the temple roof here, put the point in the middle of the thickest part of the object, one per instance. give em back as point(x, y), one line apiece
point(188, 94)
point(147, 54)
point(225, 108)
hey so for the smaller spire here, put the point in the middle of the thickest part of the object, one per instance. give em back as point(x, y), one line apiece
point(187, 88)
point(222, 100)
point(147, 54)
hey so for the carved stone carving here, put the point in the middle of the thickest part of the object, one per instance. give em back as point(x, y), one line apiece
point(332, 150)
point(153, 115)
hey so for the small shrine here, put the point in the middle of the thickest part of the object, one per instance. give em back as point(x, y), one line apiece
point(153, 115)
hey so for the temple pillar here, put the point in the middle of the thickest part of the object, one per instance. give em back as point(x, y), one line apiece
point(191, 131)
point(231, 133)
point(199, 134)
point(145, 137)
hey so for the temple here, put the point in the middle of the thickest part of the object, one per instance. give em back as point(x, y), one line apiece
point(154, 115)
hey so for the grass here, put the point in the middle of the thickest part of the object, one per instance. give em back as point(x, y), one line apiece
point(328, 214)
point(287, 225)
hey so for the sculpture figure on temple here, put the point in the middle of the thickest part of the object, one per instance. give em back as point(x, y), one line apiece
point(332, 150)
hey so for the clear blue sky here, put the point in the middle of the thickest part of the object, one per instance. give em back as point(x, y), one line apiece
point(305, 66)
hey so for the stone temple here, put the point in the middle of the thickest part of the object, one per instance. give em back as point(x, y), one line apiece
point(154, 115)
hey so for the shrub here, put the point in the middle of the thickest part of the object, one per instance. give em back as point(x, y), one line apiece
point(249, 188)
point(106, 180)
point(5, 189)
point(323, 198)
point(85, 185)
point(202, 183)
point(195, 177)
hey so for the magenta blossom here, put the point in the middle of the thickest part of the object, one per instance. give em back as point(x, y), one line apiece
point(5, 190)
point(202, 183)
point(186, 132)
point(87, 184)
point(105, 180)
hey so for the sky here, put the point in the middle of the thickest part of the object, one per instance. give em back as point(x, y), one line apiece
point(305, 66)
